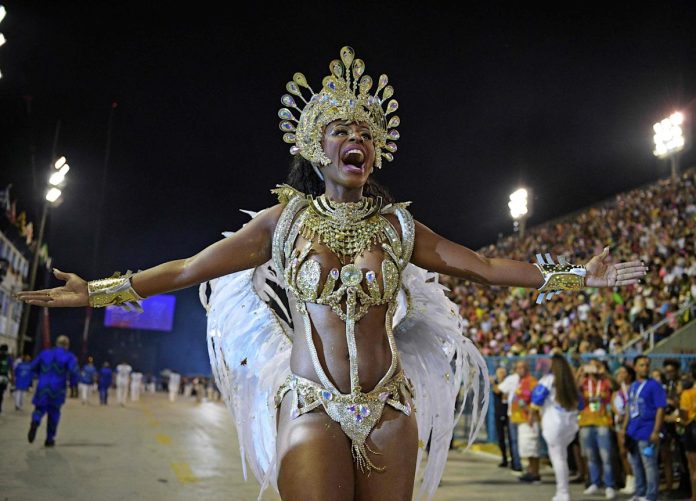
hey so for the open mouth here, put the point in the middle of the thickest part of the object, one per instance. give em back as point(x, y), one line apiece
point(353, 160)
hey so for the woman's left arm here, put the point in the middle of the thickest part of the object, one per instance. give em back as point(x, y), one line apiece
point(436, 253)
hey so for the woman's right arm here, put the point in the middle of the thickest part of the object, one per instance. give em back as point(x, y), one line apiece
point(247, 248)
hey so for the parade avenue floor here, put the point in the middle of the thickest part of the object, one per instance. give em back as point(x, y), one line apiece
point(157, 450)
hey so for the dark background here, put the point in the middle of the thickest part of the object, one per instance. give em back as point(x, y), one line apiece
point(562, 99)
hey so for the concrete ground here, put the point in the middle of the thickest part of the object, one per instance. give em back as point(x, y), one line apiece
point(157, 450)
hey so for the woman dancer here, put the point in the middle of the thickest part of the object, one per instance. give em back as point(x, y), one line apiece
point(363, 312)
point(556, 397)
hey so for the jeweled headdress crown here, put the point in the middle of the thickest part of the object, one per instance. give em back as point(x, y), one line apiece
point(344, 96)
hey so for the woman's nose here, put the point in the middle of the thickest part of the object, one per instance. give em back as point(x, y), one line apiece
point(355, 135)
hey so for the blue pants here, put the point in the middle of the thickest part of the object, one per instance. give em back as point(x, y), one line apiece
point(645, 470)
point(103, 394)
point(514, 448)
point(596, 447)
point(53, 418)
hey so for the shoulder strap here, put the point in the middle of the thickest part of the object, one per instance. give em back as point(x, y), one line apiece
point(408, 230)
point(280, 235)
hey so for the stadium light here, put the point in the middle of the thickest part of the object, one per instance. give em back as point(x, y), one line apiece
point(669, 140)
point(3, 13)
point(519, 208)
point(53, 194)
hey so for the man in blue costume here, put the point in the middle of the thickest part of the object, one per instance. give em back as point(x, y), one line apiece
point(88, 377)
point(24, 376)
point(105, 377)
point(54, 366)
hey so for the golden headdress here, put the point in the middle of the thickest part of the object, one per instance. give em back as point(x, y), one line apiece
point(344, 96)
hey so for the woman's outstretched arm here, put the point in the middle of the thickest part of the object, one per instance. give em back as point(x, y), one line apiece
point(436, 253)
point(247, 248)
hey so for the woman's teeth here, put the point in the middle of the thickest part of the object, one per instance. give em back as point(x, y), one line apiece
point(354, 157)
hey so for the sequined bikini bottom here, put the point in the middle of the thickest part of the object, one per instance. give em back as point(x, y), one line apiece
point(356, 413)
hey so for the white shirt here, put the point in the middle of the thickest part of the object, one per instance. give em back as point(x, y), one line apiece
point(509, 387)
point(174, 379)
point(122, 373)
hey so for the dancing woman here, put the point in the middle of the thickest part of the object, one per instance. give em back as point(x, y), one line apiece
point(361, 312)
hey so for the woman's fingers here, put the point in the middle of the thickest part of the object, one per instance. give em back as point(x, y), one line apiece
point(630, 264)
point(30, 295)
point(621, 283)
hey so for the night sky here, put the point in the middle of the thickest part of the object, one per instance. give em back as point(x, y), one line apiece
point(561, 100)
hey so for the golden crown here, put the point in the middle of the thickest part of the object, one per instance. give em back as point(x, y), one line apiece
point(339, 99)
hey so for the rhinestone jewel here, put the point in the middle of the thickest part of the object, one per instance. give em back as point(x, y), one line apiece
point(347, 55)
point(383, 80)
point(326, 395)
point(364, 410)
point(392, 106)
point(365, 84)
point(331, 85)
point(287, 126)
point(391, 147)
point(393, 134)
point(370, 276)
point(388, 156)
point(384, 396)
point(294, 150)
point(286, 114)
point(358, 68)
point(351, 275)
point(336, 68)
point(300, 80)
point(394, 121)
point(292, 88)
point(289, 137)
point(287, 100)
point(388, 92)
point(334, 273)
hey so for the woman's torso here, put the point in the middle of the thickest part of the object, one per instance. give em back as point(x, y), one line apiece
point(329, 330)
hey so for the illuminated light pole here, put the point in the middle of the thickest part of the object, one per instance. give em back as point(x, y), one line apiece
point(3, 13)
point(669, 140)
point(519, 209)
point(56, 181)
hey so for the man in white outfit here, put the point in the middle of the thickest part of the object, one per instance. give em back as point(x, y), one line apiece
point(123, 371)
point(136, 382)
point(174, 380)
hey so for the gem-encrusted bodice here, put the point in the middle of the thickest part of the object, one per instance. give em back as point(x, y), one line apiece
point(349, 291)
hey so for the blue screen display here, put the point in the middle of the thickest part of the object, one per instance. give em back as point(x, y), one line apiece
point(158, 315)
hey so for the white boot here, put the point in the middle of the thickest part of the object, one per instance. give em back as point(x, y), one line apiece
point(630, 485)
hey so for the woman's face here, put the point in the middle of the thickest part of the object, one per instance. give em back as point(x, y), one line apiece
point(350, 148)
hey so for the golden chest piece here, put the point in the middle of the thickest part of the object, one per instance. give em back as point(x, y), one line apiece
point(346, 228)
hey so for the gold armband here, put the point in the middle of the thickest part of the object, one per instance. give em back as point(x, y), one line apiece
point(115, 290)
point(559, 277)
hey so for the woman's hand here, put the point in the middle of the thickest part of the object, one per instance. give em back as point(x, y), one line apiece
point(73, 293)
point(602, 273)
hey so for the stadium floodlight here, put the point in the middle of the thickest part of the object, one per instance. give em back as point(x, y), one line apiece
point(669, 139)
point(2, 40)
point(59, 163)
point(57, 178)
point(519, 208)
point(3, 12)
point(53, 194)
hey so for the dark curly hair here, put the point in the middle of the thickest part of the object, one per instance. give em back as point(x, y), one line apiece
point(303, 178)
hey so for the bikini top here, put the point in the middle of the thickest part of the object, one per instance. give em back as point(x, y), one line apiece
point(349, 291)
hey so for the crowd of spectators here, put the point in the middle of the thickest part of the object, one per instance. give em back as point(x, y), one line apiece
point(608, 451)
point(655, 224)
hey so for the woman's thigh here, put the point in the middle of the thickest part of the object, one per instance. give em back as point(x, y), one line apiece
point(395, 438)
point(314, 457)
